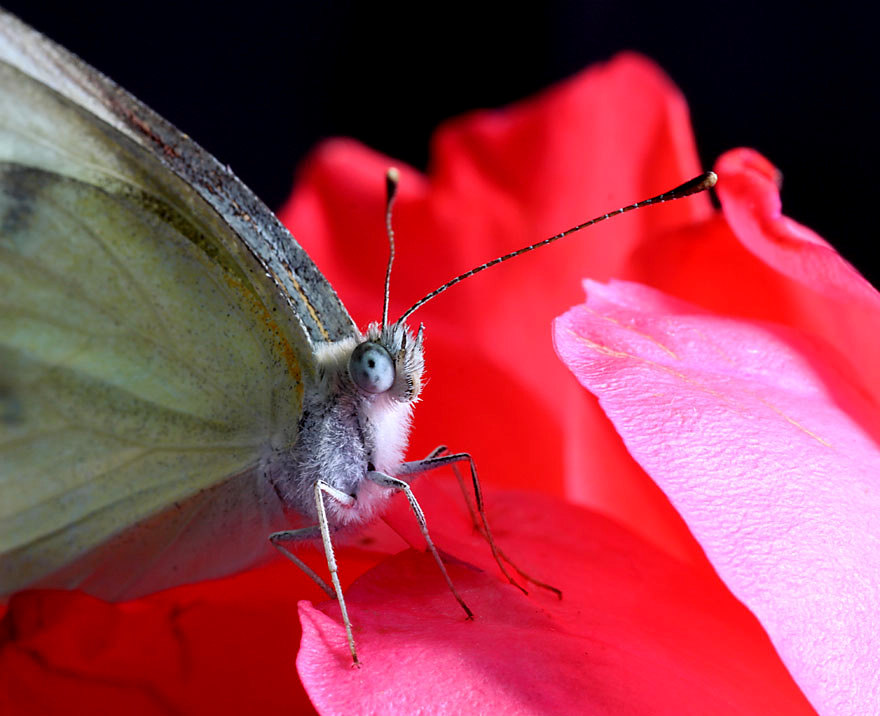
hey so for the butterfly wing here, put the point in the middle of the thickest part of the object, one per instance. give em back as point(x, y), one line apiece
point(156, 333)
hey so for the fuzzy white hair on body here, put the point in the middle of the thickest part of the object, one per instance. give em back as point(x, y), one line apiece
point(345, 432)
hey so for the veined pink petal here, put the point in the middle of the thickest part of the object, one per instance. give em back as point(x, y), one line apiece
point(769, 454)
point(636, 632)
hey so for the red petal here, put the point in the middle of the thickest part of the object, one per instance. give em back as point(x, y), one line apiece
point(637, 631)
point(748, 187)
point(501, 180)
point(768, 451)
point(749, 193)
point(219, 647)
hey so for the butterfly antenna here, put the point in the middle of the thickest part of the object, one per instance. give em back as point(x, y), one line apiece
point(392, 179)
point(694, 186)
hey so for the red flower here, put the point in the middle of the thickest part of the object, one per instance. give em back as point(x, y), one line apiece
point(645, 625)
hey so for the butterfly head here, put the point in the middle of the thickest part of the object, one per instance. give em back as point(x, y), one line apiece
point(389, 361)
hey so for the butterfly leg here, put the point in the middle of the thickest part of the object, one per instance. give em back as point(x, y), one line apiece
point(321, 489)
point(475, 520)
point(489, 538)
point(300, 535)
point(393, 483)
point(437, 459)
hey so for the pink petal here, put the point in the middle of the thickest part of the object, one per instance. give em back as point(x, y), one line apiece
point(769, 454)
point(637, 631)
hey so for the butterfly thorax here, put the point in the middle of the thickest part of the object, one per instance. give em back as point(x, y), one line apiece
point(346, 431)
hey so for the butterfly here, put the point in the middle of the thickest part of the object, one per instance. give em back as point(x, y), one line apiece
point(180, 387)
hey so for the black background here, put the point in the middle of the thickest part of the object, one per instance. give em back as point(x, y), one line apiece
point(260, 83)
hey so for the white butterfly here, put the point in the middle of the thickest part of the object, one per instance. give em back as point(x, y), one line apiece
point(178, 381)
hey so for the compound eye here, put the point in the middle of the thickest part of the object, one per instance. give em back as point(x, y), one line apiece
point(371, 368)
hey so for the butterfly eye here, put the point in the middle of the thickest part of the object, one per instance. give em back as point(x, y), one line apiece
point(371, 368)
